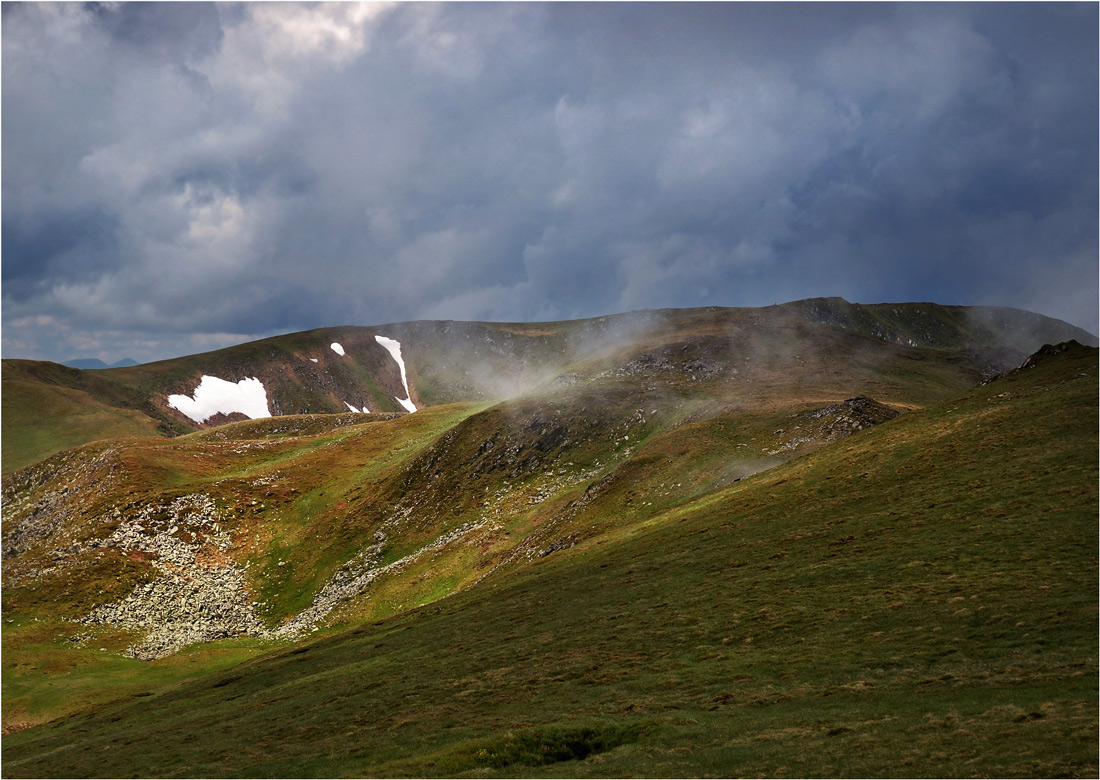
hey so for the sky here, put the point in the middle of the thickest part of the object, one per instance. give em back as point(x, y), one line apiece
point(181, 177)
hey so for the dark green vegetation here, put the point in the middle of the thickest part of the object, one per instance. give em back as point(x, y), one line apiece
point(650, 565)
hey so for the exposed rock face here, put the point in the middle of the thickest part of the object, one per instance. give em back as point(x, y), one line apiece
point(854, 414)
point(199, 594)
point(706, 359)
point(1051, 350)
point(835, 421)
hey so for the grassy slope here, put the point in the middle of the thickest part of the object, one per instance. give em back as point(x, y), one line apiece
point(917, 600)
point(46, 674)
point(306, 492)
point(79, 419)
point(781, 362)
point(934, 325)
point(48, 408)
point(312, 463)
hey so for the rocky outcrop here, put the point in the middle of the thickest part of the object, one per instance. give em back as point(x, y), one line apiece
point(1048, 351)
point(34, 515)
point(832, 422)
point(199, 593)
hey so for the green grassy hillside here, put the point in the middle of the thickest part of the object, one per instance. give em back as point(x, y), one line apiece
point(314, 509)
point(918, 599)
point(48, 408)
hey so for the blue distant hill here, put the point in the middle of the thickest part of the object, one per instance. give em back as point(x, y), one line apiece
point(97, 363)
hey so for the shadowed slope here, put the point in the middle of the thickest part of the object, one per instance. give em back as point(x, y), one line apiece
point(919, 599)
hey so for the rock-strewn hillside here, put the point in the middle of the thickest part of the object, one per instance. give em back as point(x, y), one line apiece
point(274, 526)
point(278, 525)
point(651, 568)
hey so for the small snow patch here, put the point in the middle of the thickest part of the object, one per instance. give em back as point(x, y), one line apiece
point(337, 348)
point(215, 395)
point(314, 359)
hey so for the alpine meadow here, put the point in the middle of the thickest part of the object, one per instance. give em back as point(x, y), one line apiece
point(549, 389)
point(815, 539)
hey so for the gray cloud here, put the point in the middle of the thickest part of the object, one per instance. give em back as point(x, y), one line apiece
point(180, 176)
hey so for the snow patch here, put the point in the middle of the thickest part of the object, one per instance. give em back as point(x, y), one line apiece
point(337, 348)
point(215, 395)
point(365, 410)
point(394, 348)
point(314, 359)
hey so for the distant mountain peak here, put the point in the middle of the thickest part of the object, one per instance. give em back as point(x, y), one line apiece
point(85, 363)
point(96, 363)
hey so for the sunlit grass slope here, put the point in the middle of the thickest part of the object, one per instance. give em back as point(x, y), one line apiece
point(52, 667)
point(917, 600)
point(48, 408)
point(648, 408)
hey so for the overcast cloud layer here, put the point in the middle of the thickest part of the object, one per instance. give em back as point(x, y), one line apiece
point(179, 177)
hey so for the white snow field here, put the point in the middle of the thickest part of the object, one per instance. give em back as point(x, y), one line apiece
point(394, 348)
point(365, 410)
point(213, 395)
point(337, 348)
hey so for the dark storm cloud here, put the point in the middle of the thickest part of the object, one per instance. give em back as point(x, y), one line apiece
point(165, 32)
point(79, 244)
point(181, 176)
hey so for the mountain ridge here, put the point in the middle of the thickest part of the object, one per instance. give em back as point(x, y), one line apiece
point(449, 361)
point(612, 571)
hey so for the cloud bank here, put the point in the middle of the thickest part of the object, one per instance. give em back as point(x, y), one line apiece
point(183, 176)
